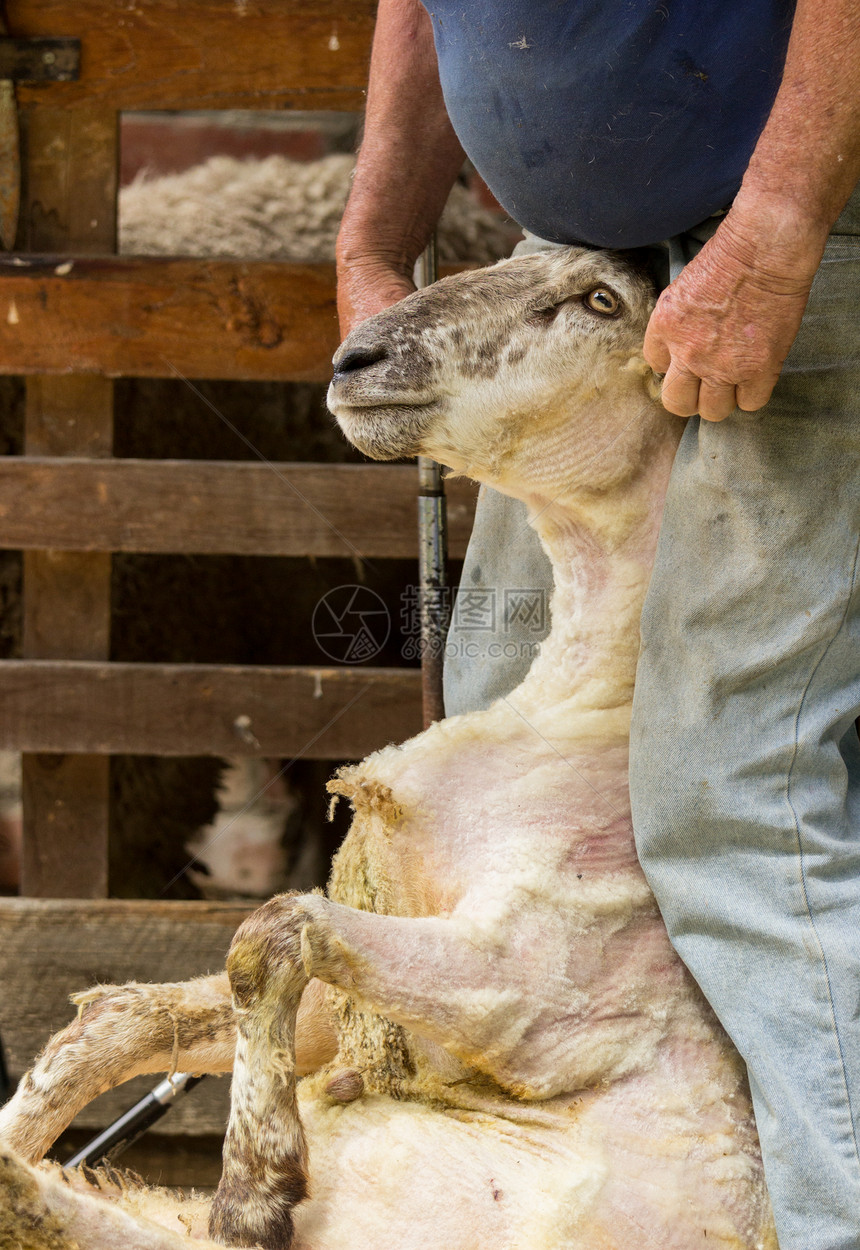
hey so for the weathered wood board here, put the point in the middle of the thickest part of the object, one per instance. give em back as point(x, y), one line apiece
point(219, 507)
point(153, 317)
point(65, 802)
point(205, 54)
point(50, 949)
point(168, 318)
point(201, 709)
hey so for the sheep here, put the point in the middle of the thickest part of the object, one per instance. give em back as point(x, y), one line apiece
point(243, 849)
point(519, 1059)
point(274, 209)
point(277, 209)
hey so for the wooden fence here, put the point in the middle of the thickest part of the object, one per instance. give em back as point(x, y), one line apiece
point(74, 316)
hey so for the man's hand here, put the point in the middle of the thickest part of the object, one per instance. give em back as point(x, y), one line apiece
point(407, 164)
point(365, 288)
point(721, 332)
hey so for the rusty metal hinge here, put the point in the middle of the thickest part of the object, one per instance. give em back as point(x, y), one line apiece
point(42, 59)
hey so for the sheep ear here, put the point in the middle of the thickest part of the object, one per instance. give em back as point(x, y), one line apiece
point(653, 383)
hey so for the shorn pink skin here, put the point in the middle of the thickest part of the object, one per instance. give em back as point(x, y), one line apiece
point(523, 1061)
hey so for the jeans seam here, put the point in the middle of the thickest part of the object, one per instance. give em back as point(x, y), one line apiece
point(800, 851)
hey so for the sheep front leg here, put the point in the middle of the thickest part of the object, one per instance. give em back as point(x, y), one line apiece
point(407, 969)
point(132, 1030)
point(265, 1160)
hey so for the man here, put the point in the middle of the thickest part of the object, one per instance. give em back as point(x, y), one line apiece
point(621, 124)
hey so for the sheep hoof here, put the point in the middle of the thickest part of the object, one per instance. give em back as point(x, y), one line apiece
point(229, 1225)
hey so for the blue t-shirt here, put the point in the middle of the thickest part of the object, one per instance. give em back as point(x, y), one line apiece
point(615, 123)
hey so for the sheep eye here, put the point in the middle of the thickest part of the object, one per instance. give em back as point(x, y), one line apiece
point(602, 300)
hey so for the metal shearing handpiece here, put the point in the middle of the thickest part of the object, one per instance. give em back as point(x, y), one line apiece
point(117, 1137)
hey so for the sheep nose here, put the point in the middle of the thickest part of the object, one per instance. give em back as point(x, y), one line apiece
point(359, 357)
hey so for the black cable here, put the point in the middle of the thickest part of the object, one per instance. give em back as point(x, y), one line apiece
point(118, 1136)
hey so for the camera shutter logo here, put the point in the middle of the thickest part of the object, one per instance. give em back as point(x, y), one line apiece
point(351, 624)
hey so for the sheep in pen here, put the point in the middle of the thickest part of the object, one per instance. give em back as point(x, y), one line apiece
point(498, 1044)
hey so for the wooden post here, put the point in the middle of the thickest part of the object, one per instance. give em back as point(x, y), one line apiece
point(70, 172)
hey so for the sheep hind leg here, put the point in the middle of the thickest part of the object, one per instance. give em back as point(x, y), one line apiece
point(120, 1032)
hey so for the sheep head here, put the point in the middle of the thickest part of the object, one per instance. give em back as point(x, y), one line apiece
point(521, 375)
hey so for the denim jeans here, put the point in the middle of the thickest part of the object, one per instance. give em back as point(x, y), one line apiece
point(745, 761)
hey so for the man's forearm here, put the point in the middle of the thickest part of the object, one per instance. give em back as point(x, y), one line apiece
point(410, 155)
point(722, 330)
point(807, 160)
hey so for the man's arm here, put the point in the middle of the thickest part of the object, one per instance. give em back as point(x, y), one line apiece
point(722, 330)
point(409, 160)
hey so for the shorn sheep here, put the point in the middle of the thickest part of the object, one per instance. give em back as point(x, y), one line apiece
point(521, 1059)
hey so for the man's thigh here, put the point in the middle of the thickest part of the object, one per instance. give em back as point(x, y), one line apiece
point(745, 767)
point(751, 646)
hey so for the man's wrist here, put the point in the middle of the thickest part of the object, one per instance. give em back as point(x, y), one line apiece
point(366, 284)
point(778, 240)
point(793, 213)
point(369, 255)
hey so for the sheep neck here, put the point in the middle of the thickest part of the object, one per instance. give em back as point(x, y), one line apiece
point(601, 549)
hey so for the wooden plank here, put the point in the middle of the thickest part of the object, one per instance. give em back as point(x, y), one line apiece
point(69, 411)
point(50, 949)
point(69, 415)
point(154, 317)
point(205, 54)
point(164, 318)
point(201, 709)
point(70, 188)
point(218, 507)
point(66, 612)
point(80, 629)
